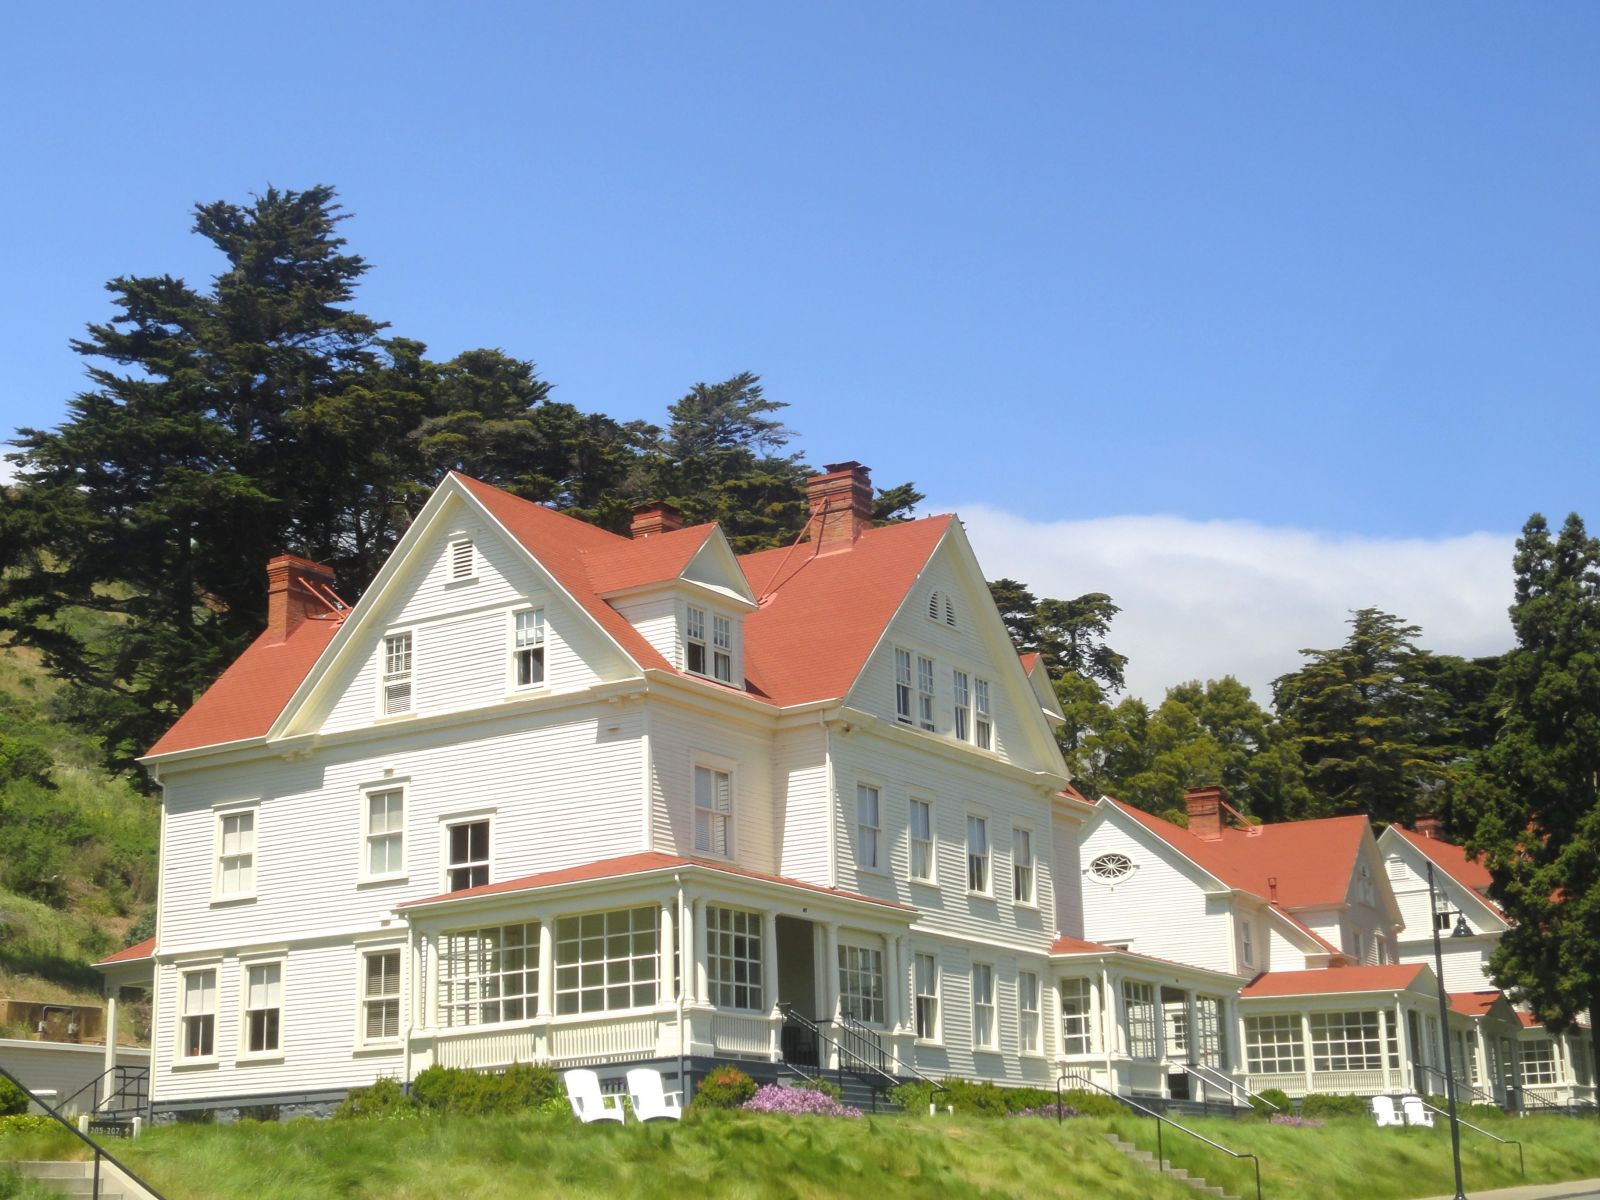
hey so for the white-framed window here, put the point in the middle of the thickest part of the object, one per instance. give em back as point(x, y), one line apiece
point(527, 648)
point(733, 958)
point(380, 996)
point(983, 1025)
point(396, 694)
point(983, 724)
point(902, 686)
point(1077, 1019)
point(467, 854)
point(861, 983)
point(198, 1028)
point(1273, 1044)
point(1139, 1018)
point(1022, 866)
point(384, 817)
point(1361, 947)
point(721, 649)
point(1028, 1011)
point(925, 692)
point(1208, 1030)
point(713, 811)
point(606, 961)
point(463, 563)
point(487, 975)
point(694, 640)
point(926, 970)
point(869, 828)
point(236, 853)
point(1538, 1062)
point(260, 1030)
point(922, 855)
point(1112, 868)
point(977, 854)
point(1247, 950)
point(1346, 1041)
point(963, 706)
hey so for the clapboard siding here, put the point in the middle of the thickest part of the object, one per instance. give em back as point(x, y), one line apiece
point(1067, 877)
point(677, 742)
point(656, 619)
point(803, 810)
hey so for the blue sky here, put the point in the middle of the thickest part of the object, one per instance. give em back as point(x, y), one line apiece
point(1323, 270)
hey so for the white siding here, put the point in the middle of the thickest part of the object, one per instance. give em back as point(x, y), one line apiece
point(677, 742)
point(1068, 875)
point(800, 792)
point(656, 619)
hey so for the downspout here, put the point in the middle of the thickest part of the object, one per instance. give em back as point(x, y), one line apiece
point(827, 756)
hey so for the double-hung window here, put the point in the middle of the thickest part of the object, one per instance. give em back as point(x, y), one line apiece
point(236, 853)
point(868, 827)
point(694, 640)
point(983, 1031)
point(396, 674)
point(861, 983)
point(977, 854)
point(902, 686)
point(1076, 1017)
point(263, 1008)
point(1028, 1021)
point(927, 993)
point(606, 961)
point(1139, 1018)
point(721, 649)
point(485, 975)
point(963, 708)
point(527, 648)
point(386, 833)
point(468, 847)
point(713, 811)
point(983, 727)
point(1247, 952)
point(921, 841)
point(925, 692)
point(733, 957)
point(199, 1014)
point(380, 996)
point(1022, 866)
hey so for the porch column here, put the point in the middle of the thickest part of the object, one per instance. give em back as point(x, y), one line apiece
point(1383, 1048)
point(1234, 1055)
point(1108, 1017)
point(769, 959)
point(830, 972)
point(429, 947)
point(702, 985)
point(547, 969)
point(107, 1085)
point(1305, 1046)
point(1192, 1049)
point(1403, 1040)
point(671, 978)
point(893, 984)
point(686, 953)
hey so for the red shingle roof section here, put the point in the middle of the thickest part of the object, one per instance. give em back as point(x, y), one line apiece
point(1071, 945)
point(135, 952)
point(1473, 1004)
point(654, 559)
point(1453, 861)
point(247, 698)
point(1391, 977)
point(635, 864)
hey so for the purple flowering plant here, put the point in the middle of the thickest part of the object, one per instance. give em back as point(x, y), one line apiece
point(1054, 1112)
point(1295, 1122)
point(797, 1102)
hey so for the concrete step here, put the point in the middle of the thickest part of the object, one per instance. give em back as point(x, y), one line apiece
point(71, 1179)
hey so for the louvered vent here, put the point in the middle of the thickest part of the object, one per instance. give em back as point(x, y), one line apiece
point(461, 559)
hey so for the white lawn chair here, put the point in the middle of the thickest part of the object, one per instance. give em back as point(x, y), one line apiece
point(650, 1100)
point(1383, 1111)
point(1416, 1112)
point(587, 1100)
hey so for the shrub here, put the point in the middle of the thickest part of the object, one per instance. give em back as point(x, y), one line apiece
point(480, 1093)
point(1094, 1104)
point(822, 1085)
point(1276, 1096)
point(385, 1100)
point(726, 1087)
point(1317, 1105)
point(914, 1096)
point(974, 1098)
point(28, 1123)
point(796, 1102)
point(13, 1100)
point(1295, 1122)
point(1051, 1110)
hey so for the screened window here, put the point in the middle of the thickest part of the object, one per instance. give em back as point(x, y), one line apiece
point(263, 1007)
point(461, 563)
point(1208, 1030)
point(861, 983)
point(1022, 866)
point(722, 649)
point(199, 1014)
point(606, 961)
point(868, 829)
point(733, 957)
point(925, 692)
point(713, 811)
point(236, 853)
point(1273, 1045)
point(386, 837)
point(1139, 1018)
point(983, 726)
point(380, 996)
point(977, 854)
point(927, 991)
point(1076, 1016)
point(902, 686)
point(469, 855)
point(527, 647)
point(1538, 1061)
point(983, 1030)
point(963, 706)
point(921, 841)
point(1028, 1011)
point(694, 641)
point(485, 975)
point(397, 673)
point(1345, 1041)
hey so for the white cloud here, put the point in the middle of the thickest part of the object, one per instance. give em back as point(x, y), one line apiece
point(1201, 599)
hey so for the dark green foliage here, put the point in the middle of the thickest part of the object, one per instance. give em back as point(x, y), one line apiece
point(826, 1087)
point(1275, 1096)
point(1069, 635)
point(1537, 791)
point(982, 1098)
point(1318, 1105)
point(13, 1100)
point(479, 1093)
point(724, 1087)
point(1093, 1104)
point(384, 1100)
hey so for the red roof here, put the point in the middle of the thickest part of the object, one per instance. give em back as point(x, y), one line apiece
point(1072, 945)
point(1454, 862)
point(1473, 1004)
point(636, 864)
point(1030, 659)
point(135, 952)
point(1391, 977)
point(654, 559)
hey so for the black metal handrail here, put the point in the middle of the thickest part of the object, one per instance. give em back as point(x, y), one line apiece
point(128, 1077)
point(1472, 1090)
point(100, 1152)
point(1195, 1069)
point(1159, 1120)
point(860, 1066)
point(1522, 1166)
point(886, 1055)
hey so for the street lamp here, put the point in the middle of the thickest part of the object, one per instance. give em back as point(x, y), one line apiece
point(1460, 930)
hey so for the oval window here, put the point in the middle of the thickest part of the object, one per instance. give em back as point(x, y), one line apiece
point(1111, 867)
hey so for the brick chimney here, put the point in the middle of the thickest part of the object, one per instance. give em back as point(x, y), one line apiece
point(654, 516)
point(1205, 812)
point(1430, 827)
point(841, 504)
point(289, 600)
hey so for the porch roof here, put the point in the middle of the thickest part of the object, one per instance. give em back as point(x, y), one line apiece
point(1473, 1004)
point(1070, 947)
point(1390, 977)
point(648, 863)
point(134, 953)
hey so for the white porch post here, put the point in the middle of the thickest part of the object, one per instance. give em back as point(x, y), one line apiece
point(702, 984)
point(428, 946)
point(671, 980)
point(686, 952)
point(830, 972)
point(1235, 1058)
point(1383, 1047)
point(107, 1085)
point(547, 969)
point(1403, 1040)
point(1305, 1045)
point(769, 959)
point(893, 984)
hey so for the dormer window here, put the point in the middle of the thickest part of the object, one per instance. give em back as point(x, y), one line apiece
point(694, 642)
point(712, 658)
point(722, 649)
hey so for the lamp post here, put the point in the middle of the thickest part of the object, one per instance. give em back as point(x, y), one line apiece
point(1444, 1032)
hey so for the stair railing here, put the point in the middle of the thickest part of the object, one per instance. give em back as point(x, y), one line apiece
point(885, 1055)
point(857, 1064)
point(1462, 1086)
point(1234, 1088)
point(1159, 1120)
point(1522, 1166)
point(132, 1082)
point(100, 1152)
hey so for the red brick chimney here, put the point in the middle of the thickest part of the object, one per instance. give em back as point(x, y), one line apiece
point(1430, 827)
point(289, 600)
point(841, 504)
point(1205, 812)
point(654, 516)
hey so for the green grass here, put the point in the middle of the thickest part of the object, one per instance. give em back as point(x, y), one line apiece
point(750, 1157)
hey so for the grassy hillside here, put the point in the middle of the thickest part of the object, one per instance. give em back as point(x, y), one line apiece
point(77, 847)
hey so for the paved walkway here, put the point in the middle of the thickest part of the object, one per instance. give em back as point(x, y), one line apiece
point(1578, 1189)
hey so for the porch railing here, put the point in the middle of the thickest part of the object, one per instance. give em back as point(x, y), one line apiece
point(132, 1090)
point(1215, 1078)
point(885, 1056)
point(101, 1154)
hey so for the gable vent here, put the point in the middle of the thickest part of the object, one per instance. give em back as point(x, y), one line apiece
point(461, 559)
point(941, 608)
